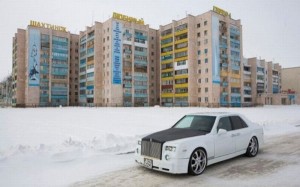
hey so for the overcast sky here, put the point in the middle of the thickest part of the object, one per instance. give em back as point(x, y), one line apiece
point(271, 28)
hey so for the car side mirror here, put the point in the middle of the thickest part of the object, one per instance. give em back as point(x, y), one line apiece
point(222, 131)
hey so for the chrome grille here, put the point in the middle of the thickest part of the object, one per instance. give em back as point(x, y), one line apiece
point(151, 149)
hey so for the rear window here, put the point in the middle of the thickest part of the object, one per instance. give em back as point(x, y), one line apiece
point(237, 122)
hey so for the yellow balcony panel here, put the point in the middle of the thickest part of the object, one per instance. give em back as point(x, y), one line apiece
point(182, 95)
point(181, 32)
point(235, 84)
point(167, 95)
point(237, 76)
point(167, 53)
point(167, 78)
point(224, 73)
point(88, 83)
point(183, 76)
point(166, 61)
point(185, 85)
point(181, 58)
point(167, 45)
point(90, 62)
point(181, 41)
point(181, 50)
point(166, 36)
point(167, 70)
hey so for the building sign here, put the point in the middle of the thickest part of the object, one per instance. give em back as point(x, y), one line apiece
point(221, 11)
point(47, 26)
point(128, 18)
point(34, 58)
point(117, 53)
point(216, 50)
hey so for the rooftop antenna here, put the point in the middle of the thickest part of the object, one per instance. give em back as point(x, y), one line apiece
point(92, 18)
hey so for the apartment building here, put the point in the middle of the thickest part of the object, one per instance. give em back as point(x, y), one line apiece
point(41, 60)
point(262, 83)
point(291, 84)
point(118, 63)
point(201, 60)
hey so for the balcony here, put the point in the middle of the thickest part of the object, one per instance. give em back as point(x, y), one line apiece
point(139, 95)
point(127, 77)
point(140, 63)
point(126, 94)
point(140, 87)
point(181, 40)
point(127, 85)
point(225, 84)
point(166, 36)
point(234, 41)
point(247, 72)
point(127, 51)
point(167, 70)
point(184, 85)
point(177, 33)
point(141, 37)
point(223, 46)
point(224, 73)
point(235, 67)
point(260, 81)
point(235, 94)
point(141, 53)
point(224, 56)
point(224, 64)
point(247, 88)
point(181, 94)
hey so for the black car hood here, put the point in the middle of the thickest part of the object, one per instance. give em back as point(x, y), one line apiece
point(172, 134)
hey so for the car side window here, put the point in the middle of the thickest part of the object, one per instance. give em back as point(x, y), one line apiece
point(224, 123)
point(237, 122)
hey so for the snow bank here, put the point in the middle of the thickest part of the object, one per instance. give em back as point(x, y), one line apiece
point(48, 143)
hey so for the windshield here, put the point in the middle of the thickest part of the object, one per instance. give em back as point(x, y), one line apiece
point(195, 122)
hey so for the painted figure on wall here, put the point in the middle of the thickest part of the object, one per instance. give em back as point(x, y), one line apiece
point(33, 70)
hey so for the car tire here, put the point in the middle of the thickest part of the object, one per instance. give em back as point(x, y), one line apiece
point(252, 148)
point(198, 162)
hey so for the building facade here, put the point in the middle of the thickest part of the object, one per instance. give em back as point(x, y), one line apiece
point(262, 83)
point(41, 60)
point(118, 63)
point(201, 60)
point(291, 84)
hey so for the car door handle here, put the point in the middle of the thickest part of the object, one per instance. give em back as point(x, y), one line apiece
point(236, 134)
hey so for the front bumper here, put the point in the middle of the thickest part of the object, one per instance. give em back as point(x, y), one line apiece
point(173, 165)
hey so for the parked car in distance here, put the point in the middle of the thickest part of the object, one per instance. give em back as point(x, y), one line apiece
point(198, 140)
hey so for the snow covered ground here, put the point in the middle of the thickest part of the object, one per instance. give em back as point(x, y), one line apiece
point(60, 146)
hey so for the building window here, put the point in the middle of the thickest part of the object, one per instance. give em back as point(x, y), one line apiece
point(107, 38)
point(199, 52)
point(199, 71)
point(199, 90)
point(205, 32)
point(199, 99)
point(199, 61)
point(198, 25)
point(103, 39)
point(205, 51)
point(205, 23)
point(199, 80)
point(206, 60)
point(206, 80)
point(205, 41)
point(206, 90)
point(206, 99)
point(198, 43)
point(206, 70)
point(198, 34)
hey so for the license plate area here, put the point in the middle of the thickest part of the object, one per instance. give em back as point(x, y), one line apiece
point(148, 163)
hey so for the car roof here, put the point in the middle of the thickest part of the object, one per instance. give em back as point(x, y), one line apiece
point(215, 114)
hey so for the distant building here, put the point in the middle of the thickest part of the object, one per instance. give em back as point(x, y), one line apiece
point(262, 83)
point(43, 57)
point(201, 60)
point(291, 83)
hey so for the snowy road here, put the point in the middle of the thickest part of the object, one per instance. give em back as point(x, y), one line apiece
point(277, 164)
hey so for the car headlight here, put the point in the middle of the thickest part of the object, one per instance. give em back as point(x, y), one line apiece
point(139, 142)
point(170, 148)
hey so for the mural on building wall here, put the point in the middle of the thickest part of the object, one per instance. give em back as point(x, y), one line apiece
point(117, 53)
point(216, 50)
point(34, 57)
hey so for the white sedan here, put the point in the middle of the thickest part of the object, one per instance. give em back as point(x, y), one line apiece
point(199, 140)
